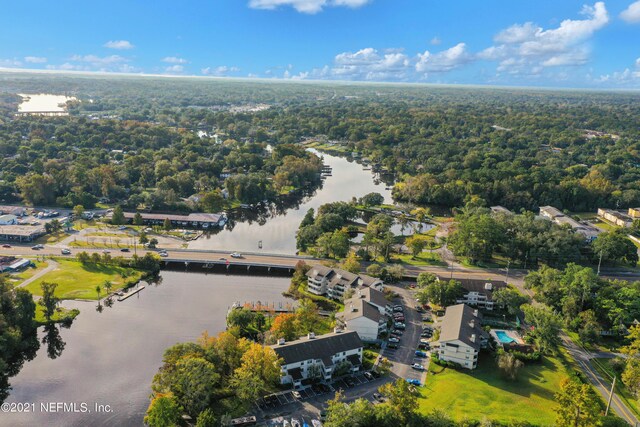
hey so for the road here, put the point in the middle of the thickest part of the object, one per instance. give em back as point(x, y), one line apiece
point(583, 359)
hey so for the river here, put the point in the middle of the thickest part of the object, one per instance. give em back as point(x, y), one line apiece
point(276, 229)
point(43, 102)
point(110, 357)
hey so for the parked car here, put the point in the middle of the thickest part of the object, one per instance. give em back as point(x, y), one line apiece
point(392, 346)
point(65, 252)
point(399, 325)
point(350, 381)
point(417, 367)
point(122, 227)
point(423, 346)
point(420, 353)
point(368, 376)
point(6, 246)
point(295, 422)
point(323, 414)
point(236, 255)
point(398, 309)
point(413, 382)
point(296, 395)
point(394, 339)
point(378, 397)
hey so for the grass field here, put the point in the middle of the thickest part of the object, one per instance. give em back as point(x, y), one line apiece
point(62, 314)
point(29, 271)
point(424, 258)
point(52, 238)
point(77, 281)
point(484, 392)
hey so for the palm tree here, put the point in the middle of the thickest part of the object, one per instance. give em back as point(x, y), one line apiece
point(98, 289)
point(107, 286)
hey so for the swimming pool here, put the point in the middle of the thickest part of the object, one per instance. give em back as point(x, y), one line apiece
point(504, 337)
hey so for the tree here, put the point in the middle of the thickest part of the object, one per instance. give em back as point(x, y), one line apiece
point(510, 298)
point(193, 383)
point(78, 210)
point(589, 327)
point(117, 217)
point(416, 243)
point(48, 302)
point(308, 218)
point(425, 279)
point(546, 326)
point(615, 246)
point(442, 293)
point(402, 397)
point(98, 290)
point(167, 224)
point(153, 242)
point(137, 219)
point(163, 411)
point(213, 201)
point(578, 405)
point(143, 238)
point(308, 315)
point(631, 373)
point(374, 270)
point(83, 257)
point(477, 236)
point(509, 364)
point(340, 243)
point(394, 273)
point(207, 418)
point(285, 326)
point(259, 371)
point(359, 413)
point(371, 199)
point(351, 264)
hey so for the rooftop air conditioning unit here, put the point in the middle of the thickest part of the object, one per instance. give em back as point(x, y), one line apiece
point(488, 286)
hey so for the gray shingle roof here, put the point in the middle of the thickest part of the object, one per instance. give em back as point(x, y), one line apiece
point(320, 347)
point(358, 307)
point(460, 322)
point(373, 296)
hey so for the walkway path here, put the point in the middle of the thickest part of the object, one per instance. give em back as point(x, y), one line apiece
point(52, 265)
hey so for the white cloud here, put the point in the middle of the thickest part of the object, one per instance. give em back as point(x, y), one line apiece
point(10, 63)
point(628, 76)
point(367, 64)
point(99, 61)
point(220, 71)
point(119, 44)
point(35, 59)
point(632, 13)
point(174, 69)
point(305, 6)
point(524, 48)
point(174, 60)
point(435, 41)
point(444, 61)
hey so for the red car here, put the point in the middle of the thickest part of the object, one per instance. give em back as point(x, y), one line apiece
point(6, 246)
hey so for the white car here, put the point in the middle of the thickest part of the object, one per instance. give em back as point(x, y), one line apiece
point(296, 394)
point(236, 255)
point(163, 254)
point(394, 339)
point(66, 252)
point(417, 367)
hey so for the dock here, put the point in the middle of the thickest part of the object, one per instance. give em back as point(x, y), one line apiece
point(131, 293)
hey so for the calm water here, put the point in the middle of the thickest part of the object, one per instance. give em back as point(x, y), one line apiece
point(277, 229)
point(42, 102)
point(111, 357)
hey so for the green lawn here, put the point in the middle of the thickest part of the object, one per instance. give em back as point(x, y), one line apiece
point(62, 314)
point(484, 392)
point(77, 281)
point(424, 258)
point(29, 271)
point(52, 237)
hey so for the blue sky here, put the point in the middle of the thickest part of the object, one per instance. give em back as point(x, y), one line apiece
point(507, 42)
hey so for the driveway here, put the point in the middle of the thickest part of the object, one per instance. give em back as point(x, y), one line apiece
point(403, 357)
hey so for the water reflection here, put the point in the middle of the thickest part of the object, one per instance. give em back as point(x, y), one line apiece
point(111, 357)
point(52, 339)
point(275, 224)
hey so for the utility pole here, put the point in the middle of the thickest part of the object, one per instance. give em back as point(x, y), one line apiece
point(599, 262)
point(613, 384)
point(506, 277)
